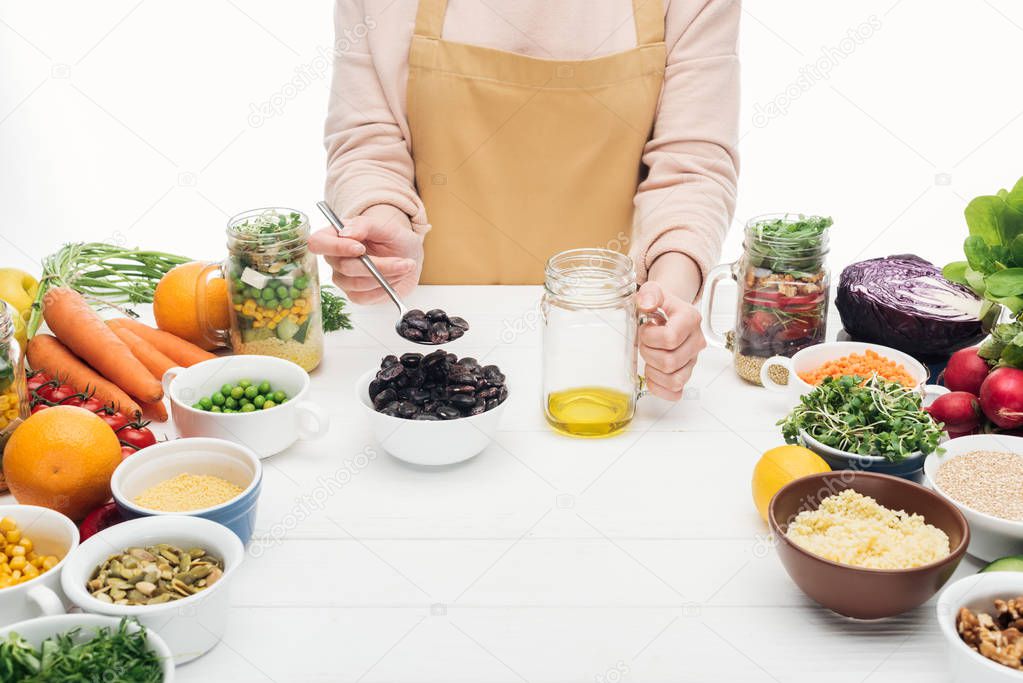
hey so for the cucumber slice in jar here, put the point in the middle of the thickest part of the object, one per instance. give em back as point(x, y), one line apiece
point(303, 331)
point(286, 329)
point(255, 334)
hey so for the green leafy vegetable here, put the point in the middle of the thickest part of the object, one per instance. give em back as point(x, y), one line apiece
point(111, 656)
point(866, 417)
point(105, 274)
point(334, 316)
point(789, 246)
point(271, 223)
point(994, 265)
point(994, 246)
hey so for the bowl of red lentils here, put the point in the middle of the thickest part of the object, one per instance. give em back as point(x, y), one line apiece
point(34, 541)
point(982, 475)
point(210, 478)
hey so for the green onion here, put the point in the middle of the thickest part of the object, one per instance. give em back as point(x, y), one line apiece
point(111, 656)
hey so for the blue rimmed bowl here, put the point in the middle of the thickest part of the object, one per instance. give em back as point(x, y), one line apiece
point(911, 467)
point(229, 461)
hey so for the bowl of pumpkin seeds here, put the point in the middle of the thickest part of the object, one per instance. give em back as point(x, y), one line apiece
point(171, 572)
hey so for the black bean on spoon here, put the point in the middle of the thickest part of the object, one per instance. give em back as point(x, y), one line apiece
point(432, 327)
point(437, 386)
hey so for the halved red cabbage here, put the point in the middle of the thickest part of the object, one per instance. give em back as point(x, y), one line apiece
point(903, 301)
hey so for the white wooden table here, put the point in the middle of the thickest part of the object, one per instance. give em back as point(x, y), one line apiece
point(544, 559)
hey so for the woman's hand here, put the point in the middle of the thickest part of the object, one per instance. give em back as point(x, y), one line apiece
point(670, 350)
point(385, 233)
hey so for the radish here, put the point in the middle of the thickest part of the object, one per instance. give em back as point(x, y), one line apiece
point(1001, 397)
point(965, 371)
point(959, 410)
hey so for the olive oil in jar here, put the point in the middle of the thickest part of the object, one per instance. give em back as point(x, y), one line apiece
point(589, 411)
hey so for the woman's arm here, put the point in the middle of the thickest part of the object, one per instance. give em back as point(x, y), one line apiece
point(370, 173)
point(368, 159)
point(685, 204)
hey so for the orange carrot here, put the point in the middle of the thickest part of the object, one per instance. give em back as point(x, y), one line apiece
point(156, 411)
point(81, 330)
point(182, 352)
point(156, 362)
point(46, 353)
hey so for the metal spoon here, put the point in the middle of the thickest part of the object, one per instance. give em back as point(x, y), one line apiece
point(377, 275)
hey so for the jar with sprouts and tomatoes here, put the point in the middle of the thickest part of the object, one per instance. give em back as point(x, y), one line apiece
point(783, 286)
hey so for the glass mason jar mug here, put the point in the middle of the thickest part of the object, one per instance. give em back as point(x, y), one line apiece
point(13, 397)
point(783, 287)
point(273, 287)
point(590, 320)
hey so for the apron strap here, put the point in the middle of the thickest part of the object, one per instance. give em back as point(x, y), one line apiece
point(649, 16)
point(430, 18)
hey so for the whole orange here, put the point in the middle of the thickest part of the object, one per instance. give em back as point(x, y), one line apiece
point(176, 304)
point(62, 458)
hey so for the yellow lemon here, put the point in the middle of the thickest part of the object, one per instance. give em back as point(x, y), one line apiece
point(778, 467)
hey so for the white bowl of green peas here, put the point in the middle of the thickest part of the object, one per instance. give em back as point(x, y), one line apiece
point(257, 401)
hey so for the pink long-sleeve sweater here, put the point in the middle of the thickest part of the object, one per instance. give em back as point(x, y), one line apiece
point(686, 200)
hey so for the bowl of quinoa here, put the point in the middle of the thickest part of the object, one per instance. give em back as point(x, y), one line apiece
point(866, 545)
point(214, 479)
point(982, 476)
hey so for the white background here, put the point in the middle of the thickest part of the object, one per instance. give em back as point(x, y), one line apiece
point(134, 117)
point(544, 559)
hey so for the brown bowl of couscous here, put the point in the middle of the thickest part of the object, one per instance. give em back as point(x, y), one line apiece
point(866, 545)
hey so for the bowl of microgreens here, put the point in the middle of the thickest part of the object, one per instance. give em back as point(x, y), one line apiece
point(83, 647)
point(865, 424)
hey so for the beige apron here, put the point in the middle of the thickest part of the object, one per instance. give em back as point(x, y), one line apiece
point(518, 158)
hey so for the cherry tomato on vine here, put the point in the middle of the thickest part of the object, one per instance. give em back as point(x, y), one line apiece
point(39, 406)
point(46, 389)
point(37, 380)
point(136, 434)
point(127, 450)
point(113, 418)
point(62, 393)
point(93, 404)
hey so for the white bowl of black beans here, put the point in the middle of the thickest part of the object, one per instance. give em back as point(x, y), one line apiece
point(433, 409)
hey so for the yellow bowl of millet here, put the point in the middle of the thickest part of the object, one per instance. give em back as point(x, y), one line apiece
point(210, 478)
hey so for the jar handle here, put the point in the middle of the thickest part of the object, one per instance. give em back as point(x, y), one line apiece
point(714, 277)
point(655, 317)
point(212, 336)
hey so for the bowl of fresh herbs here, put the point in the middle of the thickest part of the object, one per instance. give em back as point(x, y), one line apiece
point(864, 424)
point(83, 647)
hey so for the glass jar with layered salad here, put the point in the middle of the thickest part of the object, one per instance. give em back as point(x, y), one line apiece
point(274, 286)
point(13, 398)
point(783, 286)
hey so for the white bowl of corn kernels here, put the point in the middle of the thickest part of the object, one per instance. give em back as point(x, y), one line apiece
point(981, 476)
point(35, 543)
